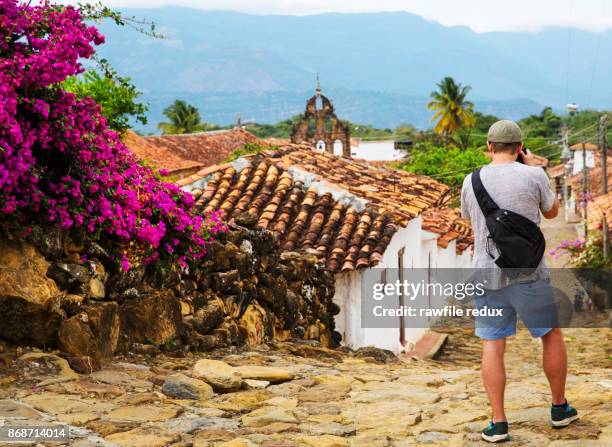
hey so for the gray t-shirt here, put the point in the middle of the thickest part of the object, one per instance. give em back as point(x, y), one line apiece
point(515, 187)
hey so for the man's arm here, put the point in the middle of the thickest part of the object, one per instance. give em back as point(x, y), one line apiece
point(552, 212)
point(549, 204)
point(465, 211)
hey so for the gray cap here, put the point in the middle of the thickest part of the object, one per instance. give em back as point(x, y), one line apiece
point(504, 131)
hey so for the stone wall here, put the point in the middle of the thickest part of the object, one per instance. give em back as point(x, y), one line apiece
point(245, 291)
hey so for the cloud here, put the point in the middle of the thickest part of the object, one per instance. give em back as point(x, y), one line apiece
point(480, 15)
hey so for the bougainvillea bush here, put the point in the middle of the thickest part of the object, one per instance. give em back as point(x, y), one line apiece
point(61, 164)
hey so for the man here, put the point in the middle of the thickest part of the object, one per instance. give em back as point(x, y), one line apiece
point(523, 189)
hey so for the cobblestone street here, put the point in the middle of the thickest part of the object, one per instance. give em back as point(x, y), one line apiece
point(305, 396)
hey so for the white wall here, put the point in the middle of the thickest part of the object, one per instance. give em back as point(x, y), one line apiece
point(419, 247)
point(348, 294)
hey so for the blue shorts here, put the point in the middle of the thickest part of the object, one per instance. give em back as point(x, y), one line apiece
point(533, 301)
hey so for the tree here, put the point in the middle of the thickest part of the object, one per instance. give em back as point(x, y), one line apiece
point(184, 118)
point(447, 164)
point(452, 109)
point(116, 95)
point(546, 125)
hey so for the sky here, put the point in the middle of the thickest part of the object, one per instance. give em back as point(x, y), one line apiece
point(479, 15)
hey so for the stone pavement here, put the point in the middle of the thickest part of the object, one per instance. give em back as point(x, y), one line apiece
point(299, 395)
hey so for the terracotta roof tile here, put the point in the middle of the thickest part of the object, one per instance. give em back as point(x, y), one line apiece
point(599, 207)
point(588, 146)
point(202, 148)
point(595, 174)
point(344, 211)
point(447, 222)
point(556, 171)
point(158, 155)
point(403, 194)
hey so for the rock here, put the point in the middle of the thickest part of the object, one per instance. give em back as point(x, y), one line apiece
point(76, 338)
point(207, 437)
point(246, 219)
point(86, 388)
point(154, 319)
point(10, 409)
point(144, 413)
point(238, 442)
point(208, 317)
point(95, 289)
point(186, 308)
point(141, 349)
point(323, 441)
point(267, 415)
point(324, 393)
point(84, 364)
point(256, 384)
point(282, 402)
point(123, 379)
point(95, 251)
point(129, 294)
point(143, 437)
point(72, 304)
point(383, 391)
point(54, 368)
point(268, 373)
point(182, 387)
point(62, 404)
point(104, 322)
point(191, 423)
point(28, 297)
point(68, 276)
point(221, 281)
point(377, 354)
point(256, 323)
point(577, 443)
point(48, 240)
point(328, 428)
point(399, 417)
point(432, 437)
point(105, 428)
point(221, 376)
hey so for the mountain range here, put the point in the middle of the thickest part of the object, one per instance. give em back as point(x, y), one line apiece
point(378, 68)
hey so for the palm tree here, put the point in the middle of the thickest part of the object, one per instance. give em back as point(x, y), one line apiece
point(184, 118)
point(453, 112)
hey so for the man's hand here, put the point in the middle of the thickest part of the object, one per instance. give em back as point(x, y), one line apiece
point(528, 157)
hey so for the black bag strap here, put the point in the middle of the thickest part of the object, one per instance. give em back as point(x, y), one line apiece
point(486, 203)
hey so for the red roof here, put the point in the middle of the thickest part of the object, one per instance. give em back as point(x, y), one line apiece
point(346, 211)
point(206, 148)
point(158, 156)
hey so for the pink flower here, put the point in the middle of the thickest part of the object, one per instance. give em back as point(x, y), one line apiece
point(58, 160)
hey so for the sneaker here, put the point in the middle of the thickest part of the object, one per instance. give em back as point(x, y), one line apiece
point(496, 432)
point(562, 415)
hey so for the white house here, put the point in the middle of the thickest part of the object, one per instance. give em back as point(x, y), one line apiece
point(360, 220)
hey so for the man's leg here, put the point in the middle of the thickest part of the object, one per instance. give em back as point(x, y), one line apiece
point(555, 364)
point(494, 375)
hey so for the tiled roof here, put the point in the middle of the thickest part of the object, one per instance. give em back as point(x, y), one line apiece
point(346, 211)
point(158, 155)
point(206, 148)
point(447, 223)
point(597, 208)
point(588, 146)
point(595, 177)
point(556, 171)
point(402, 194)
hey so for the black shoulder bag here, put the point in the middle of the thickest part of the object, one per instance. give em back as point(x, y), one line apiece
point(520, 241)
